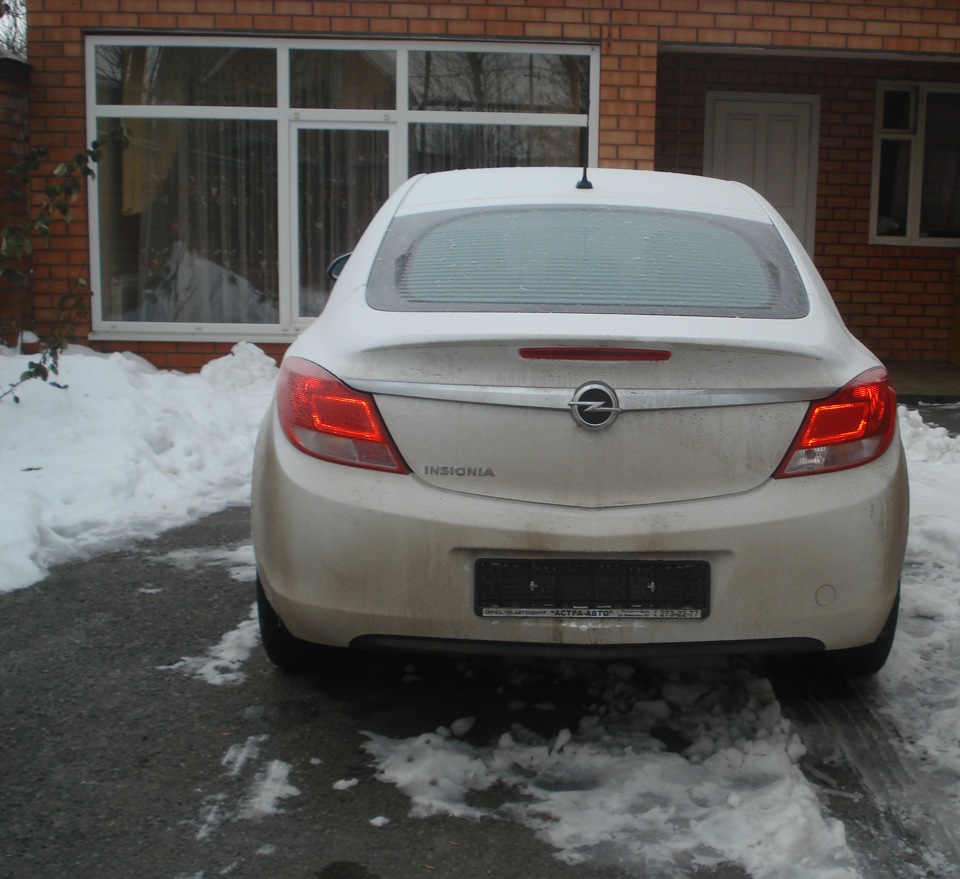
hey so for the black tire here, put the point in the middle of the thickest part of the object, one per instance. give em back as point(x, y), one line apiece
point(287, 652)
point(855, 661)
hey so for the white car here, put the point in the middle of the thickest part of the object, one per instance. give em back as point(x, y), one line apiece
point(553, 412)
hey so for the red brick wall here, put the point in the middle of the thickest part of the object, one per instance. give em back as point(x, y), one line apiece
point(631, 34)
point(897, 300)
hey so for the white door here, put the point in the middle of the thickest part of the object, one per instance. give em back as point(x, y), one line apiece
point(768, 142)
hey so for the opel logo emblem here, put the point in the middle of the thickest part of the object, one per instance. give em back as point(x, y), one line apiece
point(594, 406)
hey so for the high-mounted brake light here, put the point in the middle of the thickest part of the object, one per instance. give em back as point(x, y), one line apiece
point(850, 428)
point(629, 355)
point(323, 417)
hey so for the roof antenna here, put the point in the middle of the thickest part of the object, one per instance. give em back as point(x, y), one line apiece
point(583, 183)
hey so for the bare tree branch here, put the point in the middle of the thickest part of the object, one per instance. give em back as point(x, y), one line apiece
point(13, 27)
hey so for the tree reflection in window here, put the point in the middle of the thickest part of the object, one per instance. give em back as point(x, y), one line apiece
point(499, 82)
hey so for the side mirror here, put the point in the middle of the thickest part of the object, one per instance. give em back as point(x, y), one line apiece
point(336, 267)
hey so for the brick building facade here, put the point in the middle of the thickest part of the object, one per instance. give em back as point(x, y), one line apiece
point(235, 112)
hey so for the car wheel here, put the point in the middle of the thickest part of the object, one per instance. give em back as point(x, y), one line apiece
point(287, 652)
point(855, 661)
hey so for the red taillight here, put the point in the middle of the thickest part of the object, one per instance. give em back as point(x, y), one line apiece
point(853, 427)
point(323, 417)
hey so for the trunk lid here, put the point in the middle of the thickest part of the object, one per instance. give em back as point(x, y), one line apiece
point(474, 416)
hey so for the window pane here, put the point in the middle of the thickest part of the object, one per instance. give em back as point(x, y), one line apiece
point(186, 76)
point(898, 110)
point(500, 82)
point(585, 259)
point(893, 189)
point(343, 80)
point(453, 147)
point(343, 180)
point(940, 201)
point(188, 222)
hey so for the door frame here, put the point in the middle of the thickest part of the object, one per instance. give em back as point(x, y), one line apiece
point(809, 100)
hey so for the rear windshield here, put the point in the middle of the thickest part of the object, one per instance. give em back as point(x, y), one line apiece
point(585, 259)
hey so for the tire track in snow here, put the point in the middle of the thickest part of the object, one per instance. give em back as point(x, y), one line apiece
point(898, 822)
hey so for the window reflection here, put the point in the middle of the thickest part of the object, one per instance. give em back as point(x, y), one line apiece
point(342, 181)
point(918, 165)
point(894, 189)
point(186, 76)
point(499, 82)
point(940, 200)
point(338, 80)
point(188, 214)
point(455, 147)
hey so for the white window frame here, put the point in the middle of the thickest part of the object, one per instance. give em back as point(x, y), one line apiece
point(916, 139)
point(289, 306)
point(287, 120)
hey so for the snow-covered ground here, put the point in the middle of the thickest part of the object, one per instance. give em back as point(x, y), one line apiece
point(126, 451)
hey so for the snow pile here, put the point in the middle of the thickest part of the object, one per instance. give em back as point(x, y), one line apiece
point(933, 457)
point(921, 682)
point(124, 452)
point(690, 767)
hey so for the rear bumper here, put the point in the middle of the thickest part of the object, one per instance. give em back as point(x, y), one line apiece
point(348, 556)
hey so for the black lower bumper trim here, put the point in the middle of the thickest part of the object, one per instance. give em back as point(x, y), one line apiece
point(586, 651)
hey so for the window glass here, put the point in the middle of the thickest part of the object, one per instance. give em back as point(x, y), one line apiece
point(940, 198)
point(499, 82)
point(455, 147)
point(917, 166)
point(894, 188)
point(188, 222)
point(898, 110)
point(577, 259)
point(186, 76)
point(343, 79)
point(342, 181)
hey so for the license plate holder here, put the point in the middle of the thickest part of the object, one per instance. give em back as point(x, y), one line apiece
point(592, 589)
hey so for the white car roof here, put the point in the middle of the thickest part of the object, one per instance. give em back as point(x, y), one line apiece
point(610, 186)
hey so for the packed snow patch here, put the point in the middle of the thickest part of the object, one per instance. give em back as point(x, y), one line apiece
point(239, 561)
point(221, 663)
point(257, 799)
point(271, 785)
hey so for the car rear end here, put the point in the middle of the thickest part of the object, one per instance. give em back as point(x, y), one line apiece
point(618, 421)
